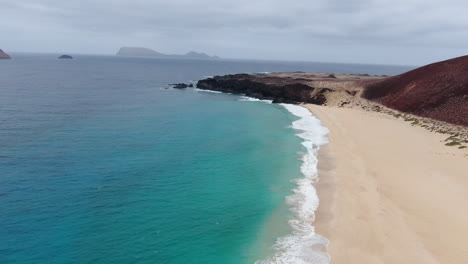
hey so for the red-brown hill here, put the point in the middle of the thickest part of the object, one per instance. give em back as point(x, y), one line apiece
point(438, 91)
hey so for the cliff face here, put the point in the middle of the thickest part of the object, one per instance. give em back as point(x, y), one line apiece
point(3, 55)
point(438, 91)
point(281, 91)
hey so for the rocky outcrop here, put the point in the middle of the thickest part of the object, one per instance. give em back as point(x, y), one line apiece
point(65, 57)
point(438, 91)
point(3, 55)
point(280, 90)
point(181, 85)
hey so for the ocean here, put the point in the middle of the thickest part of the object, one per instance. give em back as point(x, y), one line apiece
point(102, 162)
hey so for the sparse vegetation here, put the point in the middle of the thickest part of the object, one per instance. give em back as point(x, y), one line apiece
point(347, 93)
point(409, 119)
point(458, 135)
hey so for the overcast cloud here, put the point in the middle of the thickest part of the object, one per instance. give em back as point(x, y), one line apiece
point(364, 31)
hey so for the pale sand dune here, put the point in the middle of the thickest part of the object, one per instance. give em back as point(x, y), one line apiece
point(392, 192)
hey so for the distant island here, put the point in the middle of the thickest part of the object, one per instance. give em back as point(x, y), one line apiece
point(65, 56)
point(145, 52)
point(3, 55)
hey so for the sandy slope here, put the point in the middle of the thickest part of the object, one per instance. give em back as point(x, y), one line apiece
point(392, 193)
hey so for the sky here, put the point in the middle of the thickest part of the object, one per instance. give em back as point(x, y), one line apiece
point(402, 32)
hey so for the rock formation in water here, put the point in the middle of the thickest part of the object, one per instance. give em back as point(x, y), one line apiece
point(3, 55)
point(438, 91)
point(181, 85)
point(65, 57)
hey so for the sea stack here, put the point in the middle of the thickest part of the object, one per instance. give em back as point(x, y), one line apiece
point(3, 55)
point(65, 57)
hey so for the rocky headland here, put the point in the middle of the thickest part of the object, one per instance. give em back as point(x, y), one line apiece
point(434, 97)
point(292, 87)
point(3, 55)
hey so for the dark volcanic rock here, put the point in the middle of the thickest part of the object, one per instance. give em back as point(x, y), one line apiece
point(3, 55)
point(438, 91)
point(280, 90)
point(352, 93)
point(181, 85)
point(65, 57)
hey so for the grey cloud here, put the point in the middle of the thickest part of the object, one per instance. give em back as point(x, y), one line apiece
point(334, 30)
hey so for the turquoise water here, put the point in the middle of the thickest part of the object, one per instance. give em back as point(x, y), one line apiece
point(100, 163)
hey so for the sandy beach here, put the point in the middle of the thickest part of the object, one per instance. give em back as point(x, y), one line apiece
point(390, 192)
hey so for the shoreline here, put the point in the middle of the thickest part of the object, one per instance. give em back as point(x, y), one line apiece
point(385, 181)
point(303, 244)
point(342, 90)
point(389, 192)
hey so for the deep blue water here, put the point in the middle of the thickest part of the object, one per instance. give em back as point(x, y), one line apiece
point(100, 163)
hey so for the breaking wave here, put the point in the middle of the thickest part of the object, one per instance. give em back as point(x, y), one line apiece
point(303, 245)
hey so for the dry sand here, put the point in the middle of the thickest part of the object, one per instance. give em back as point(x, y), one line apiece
point(390, 192)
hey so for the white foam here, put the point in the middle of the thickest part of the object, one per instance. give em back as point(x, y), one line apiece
point(207, 91)
point(303, 245)
point(251, 99)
